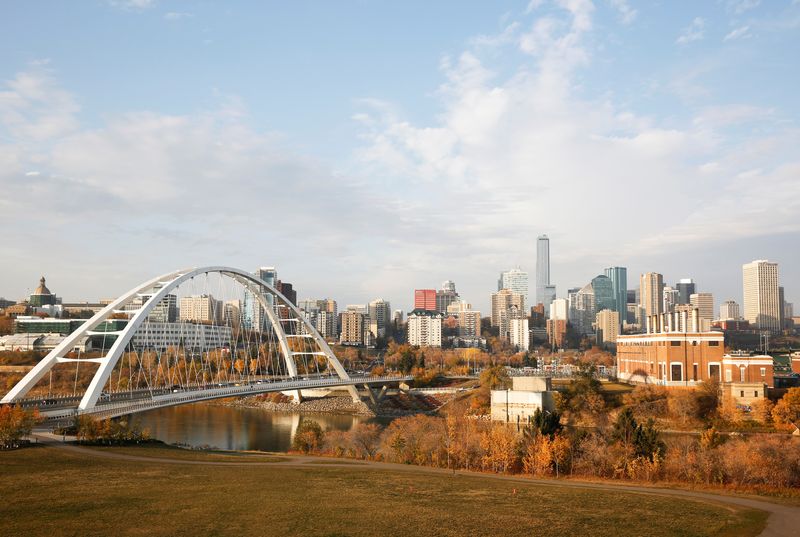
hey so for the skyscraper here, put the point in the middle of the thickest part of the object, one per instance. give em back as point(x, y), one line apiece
point(686, 288)
point(761, 294)
point(704, 302)
point(542, 269)
point(651, 293)
point(603, 289)
point(729, 310)
point(515, 280)
point(619, 286)
point(425, 299)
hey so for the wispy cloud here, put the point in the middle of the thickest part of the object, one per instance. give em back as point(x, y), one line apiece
point(738, 33)
point(176, 15)
point(133, 5)
point(694, 32)
point(626, 13)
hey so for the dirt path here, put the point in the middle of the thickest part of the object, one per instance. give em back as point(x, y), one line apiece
point(783, 521)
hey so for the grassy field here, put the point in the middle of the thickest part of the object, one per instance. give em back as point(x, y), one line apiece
point(170, 452)
point(49, 492)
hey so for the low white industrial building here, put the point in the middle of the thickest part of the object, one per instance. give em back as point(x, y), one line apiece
point(527, 394)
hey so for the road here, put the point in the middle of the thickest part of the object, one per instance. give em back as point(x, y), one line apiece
point(783, 520)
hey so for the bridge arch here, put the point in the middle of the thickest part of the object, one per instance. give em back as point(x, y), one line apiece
point(151, 294)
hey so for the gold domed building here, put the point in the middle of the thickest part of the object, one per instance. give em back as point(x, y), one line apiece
point(42, 296)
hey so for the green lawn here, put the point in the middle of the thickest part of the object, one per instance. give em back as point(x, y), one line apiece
point(50, 492)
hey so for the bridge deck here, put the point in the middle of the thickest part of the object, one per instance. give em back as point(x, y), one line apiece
point(150, 401)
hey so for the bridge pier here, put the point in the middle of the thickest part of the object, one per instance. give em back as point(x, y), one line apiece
point(373, 398)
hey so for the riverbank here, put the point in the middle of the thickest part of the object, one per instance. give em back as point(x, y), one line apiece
point(391, 406)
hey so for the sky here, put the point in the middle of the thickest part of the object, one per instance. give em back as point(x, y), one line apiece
point(368, 148)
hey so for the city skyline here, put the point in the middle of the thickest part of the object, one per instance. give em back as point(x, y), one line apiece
point(456, 151)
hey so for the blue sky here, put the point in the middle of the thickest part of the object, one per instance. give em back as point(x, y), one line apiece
point(367, 148)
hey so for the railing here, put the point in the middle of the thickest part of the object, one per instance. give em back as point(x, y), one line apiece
point(110, 409)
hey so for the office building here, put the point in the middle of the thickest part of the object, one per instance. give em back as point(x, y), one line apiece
point(671, 299)
point(425, 328)
point(379, 312)
point(557, 323)
point(619, 288)
point(425, 299)
point(704, 302)
point(502, 300)
point(762, 306)
point(729, 310)
point(518, 334)
point(603, 289)
point(607, 327)
point(582, 310)
point(542, 270)
point(516, 280)
point(446, 296)
point(651, 295)
point(200, 309)
point(469, 324)
point(686, 288)
point(353, 327)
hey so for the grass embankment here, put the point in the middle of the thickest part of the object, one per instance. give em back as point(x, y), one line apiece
point(163, 451)
point(48, 491)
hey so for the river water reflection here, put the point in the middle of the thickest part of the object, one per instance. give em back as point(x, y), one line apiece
point(236, 428)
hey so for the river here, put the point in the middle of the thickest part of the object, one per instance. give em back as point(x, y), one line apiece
point(236, 428)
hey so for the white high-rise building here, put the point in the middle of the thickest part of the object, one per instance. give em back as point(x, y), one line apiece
point(651, 293)
point(582, 310)
point(515, 280)
point(201, 308)
point(729, 310)
point(671, 299)
point(518, 334)
point(558, 309)
point(762, 307)
point(425, 328)
point(543, 271)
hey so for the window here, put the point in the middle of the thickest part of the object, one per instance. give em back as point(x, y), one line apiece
point(741, 374)
point(713, 343)
point(728, 375)
point(741, 393)
point(675, 343)
point(694, 371)
point(677, 371)
point(713, 371)
point(763, 371)
point(755, 393)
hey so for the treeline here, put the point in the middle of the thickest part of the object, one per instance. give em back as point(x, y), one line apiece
point(88, 430)
point(15, 424)
point(628, 449)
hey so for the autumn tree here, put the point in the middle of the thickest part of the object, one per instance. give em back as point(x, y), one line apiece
point(308, 436)
point(15, 423)
point(787, 409)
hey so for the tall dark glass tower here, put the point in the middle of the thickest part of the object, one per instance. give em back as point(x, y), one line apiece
point(619, 286)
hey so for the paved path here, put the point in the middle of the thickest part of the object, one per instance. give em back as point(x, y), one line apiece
point(783, 521)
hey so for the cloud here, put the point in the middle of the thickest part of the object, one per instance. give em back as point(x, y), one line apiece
point(34, 108)
point(737, 7)
point(176, 15)
point(626, 14)
point(738, 33)
point(132, 5)
point(532, 152)
point(693, 32)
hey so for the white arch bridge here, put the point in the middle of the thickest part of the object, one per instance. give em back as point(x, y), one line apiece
point(184, 337)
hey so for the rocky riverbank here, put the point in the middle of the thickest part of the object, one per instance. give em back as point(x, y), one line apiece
point(331, 405)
